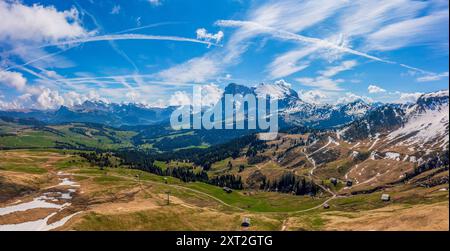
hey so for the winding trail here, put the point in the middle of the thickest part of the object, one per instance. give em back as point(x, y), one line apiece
point(217, 199)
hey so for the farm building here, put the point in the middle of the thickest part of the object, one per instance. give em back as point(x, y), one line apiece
point(333, 181)
point(246, 222)
point(385, 197)
point(227, 190)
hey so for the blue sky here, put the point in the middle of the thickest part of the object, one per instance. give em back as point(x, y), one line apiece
point(55, 53)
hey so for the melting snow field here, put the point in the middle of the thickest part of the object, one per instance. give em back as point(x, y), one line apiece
point(392, 156)
point(39, 225)
point(39, 202)
point(43, 201)
point(429, 126)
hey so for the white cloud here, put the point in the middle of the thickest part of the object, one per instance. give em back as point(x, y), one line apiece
point(334, 70)
point(375, 89)
point(211, 94)
point(356, 20)
point(433, 77)
point(409, 97)
point(115, 10)
point(49, 99)
point(13, 79)
point(155, 2)
point(288, 63)
point(426, 30)
point(351, 97)
point(44, 98)
point(180, 98)
point(289, 36)
point(197, 70)
point(364, 17)
point(324, 80)
point(202, 34)
point(322, 83)
point(133, 96)
point(286, 14)
point(314, 96)
point(38, 23)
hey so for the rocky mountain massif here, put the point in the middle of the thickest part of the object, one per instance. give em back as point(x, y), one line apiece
point(293, 110)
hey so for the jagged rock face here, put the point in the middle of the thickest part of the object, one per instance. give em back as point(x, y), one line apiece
point(326, 116)
point(380, 120)
point(432, 101)
point(234, 89)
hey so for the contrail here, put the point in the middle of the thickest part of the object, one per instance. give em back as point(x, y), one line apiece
point(39, 58)
point(126, 37)
point(114, 46)
point(320, 42)
point(147, 26)
point(109, 38)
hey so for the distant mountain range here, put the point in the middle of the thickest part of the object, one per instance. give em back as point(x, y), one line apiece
point(293, 111)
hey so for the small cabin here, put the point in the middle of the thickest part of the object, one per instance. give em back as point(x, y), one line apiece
point(349, 183)
point(246, 222)
point(333, 181)
point(385, 197)
point(227, 190)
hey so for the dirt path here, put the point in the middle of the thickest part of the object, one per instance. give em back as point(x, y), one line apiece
point(219, 200)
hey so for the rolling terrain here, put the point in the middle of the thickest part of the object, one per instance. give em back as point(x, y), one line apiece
point(86, 176)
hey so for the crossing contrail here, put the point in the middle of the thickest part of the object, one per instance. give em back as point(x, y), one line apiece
point(286, 35)
point(113, 37)
point(126, 37)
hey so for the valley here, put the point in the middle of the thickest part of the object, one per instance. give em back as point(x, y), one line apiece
point(385, 169)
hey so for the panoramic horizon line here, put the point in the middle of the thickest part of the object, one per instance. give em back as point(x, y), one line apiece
point(149, 106)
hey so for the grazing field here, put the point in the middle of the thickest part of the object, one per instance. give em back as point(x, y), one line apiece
point(126, 199)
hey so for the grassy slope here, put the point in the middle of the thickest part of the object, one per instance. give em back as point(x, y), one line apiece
point(26, 137)
point(193, 206)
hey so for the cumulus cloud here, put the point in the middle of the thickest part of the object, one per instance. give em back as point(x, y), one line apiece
point(49, 99)
point(409, 97)
point(375, 89)
point(351, 97)
point(211, 94)
point(38, 23)
point(202, 34)
point(133, 96)
point(313, 96)
point(44, 98)
point(13, 79)
point(180, 98)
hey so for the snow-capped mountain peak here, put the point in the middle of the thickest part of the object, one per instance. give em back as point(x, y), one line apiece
point(280, 90)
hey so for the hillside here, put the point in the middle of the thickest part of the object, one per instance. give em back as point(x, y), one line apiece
point(305, 179)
